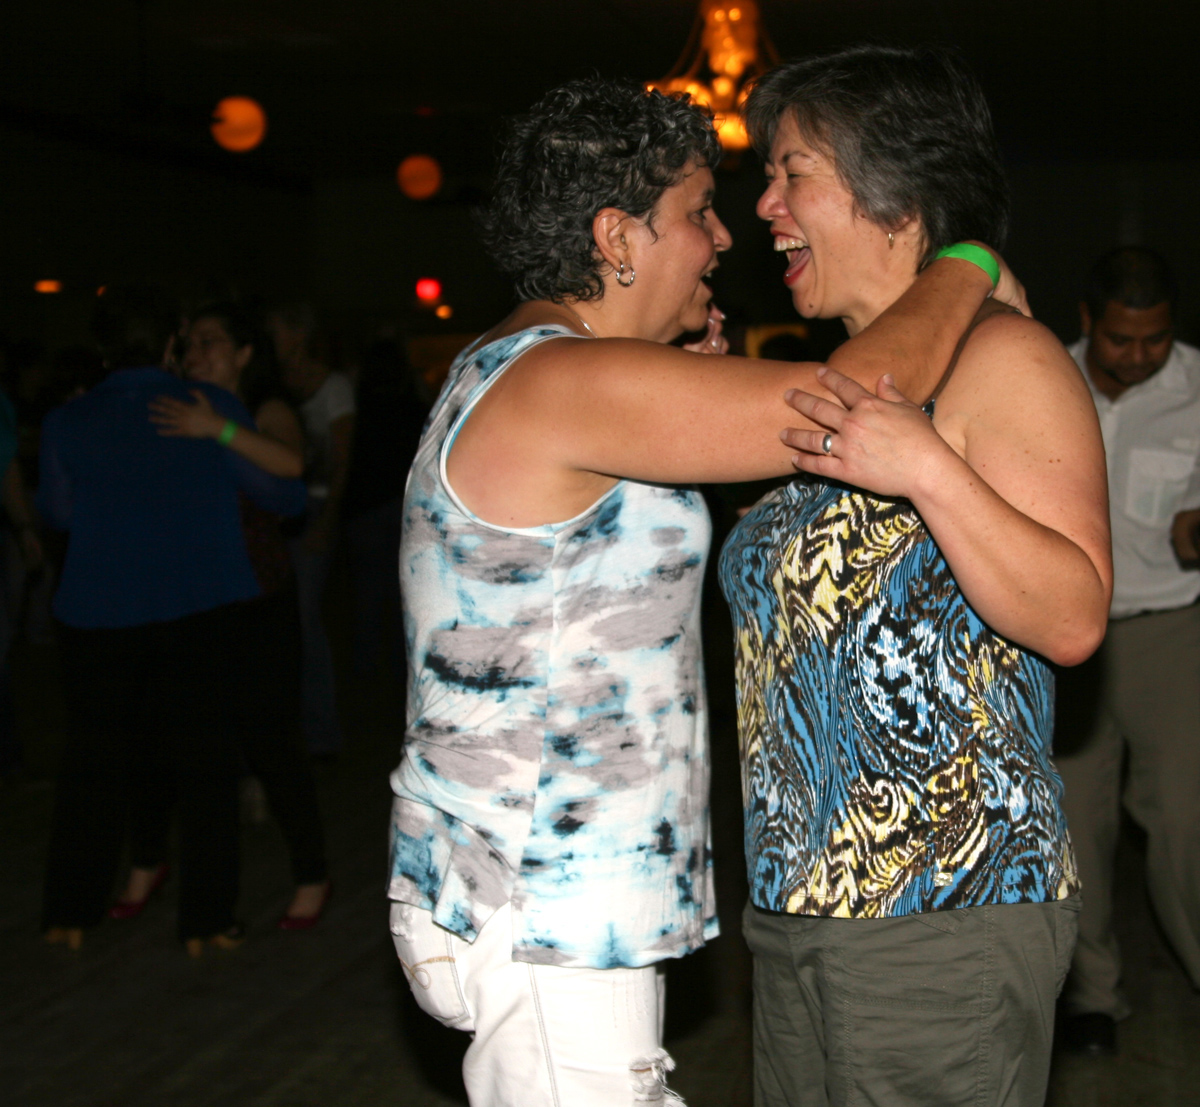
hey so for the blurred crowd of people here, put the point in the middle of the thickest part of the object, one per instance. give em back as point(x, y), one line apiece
point(195, 472)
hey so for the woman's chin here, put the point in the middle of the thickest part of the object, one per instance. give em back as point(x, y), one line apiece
point(691, 324)
point(809, 306)
point(805, 306)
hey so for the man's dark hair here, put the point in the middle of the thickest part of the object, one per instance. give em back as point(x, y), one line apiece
point(589, 145)
point(132, 325)
point(1134, 276)
point(909, 132)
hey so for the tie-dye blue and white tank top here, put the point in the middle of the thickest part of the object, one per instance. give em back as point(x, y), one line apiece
point(556, 750)
point(895, 751)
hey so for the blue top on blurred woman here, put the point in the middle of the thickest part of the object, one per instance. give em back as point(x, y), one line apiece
point(156, 530)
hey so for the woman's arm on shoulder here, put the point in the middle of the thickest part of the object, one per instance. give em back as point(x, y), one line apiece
point(571, 417)
point(629, 408)
point(719, 420)
point(199, 419)
point(1022, 517)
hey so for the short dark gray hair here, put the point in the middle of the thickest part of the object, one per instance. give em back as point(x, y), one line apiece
point(909, 132)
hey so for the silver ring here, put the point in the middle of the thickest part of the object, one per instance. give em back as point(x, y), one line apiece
point(827, 443)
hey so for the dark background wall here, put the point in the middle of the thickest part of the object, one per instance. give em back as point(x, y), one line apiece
point(108, 172)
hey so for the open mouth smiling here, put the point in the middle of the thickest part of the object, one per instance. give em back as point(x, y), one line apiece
point(798, 255)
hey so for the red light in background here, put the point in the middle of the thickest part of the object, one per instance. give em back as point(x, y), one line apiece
point(429, 291)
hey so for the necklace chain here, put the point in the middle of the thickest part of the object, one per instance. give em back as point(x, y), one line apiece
point(582, 320)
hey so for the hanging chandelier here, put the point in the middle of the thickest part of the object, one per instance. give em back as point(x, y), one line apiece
point(725, 51)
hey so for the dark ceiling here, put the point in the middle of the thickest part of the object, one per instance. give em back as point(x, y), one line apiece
point(351, 88)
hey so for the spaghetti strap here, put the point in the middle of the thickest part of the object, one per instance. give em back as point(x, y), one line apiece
point(989, 308)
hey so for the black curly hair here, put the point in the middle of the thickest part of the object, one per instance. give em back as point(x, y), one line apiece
point(909, 131)
point(591, 144)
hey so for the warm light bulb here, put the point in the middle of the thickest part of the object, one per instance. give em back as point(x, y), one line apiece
point(697, 91)
point(731, 130)
point(47, 286)
point(444, 311)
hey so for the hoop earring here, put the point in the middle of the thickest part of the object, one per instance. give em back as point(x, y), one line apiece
point(621, 273)
point(891, 241)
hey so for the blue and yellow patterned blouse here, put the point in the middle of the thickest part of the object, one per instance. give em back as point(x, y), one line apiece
point(895, 750)
point(556, 753)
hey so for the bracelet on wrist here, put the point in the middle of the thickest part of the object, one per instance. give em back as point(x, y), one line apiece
point(227, 432)
point(976, 255)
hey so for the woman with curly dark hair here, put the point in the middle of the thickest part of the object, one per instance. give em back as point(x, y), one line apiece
point(550, 828)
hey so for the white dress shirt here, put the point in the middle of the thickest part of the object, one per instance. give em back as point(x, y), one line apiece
point(1152, 439)
point(333, 400)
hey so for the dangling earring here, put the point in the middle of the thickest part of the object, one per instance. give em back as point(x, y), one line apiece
point(621, 273)
point(891, 241)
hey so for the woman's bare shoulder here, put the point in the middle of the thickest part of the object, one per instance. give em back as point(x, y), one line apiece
point(1011, 356)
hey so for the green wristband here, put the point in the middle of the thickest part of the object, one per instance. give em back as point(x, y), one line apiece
point(976, 255)
point(227, 432)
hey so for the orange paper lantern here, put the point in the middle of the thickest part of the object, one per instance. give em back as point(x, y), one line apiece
point(419, 176)
point(239, 123)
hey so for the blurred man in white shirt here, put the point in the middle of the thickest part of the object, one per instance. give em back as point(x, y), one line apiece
point(1135, 706)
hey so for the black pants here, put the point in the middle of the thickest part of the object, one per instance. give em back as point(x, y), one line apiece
point(147, 707)
point(263, 705)
point(267, 726)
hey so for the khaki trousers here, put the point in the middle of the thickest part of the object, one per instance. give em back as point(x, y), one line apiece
point(941, 1009)
point(1136, 701)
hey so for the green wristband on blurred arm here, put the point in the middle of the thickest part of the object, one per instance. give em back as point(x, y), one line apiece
point(227, 432)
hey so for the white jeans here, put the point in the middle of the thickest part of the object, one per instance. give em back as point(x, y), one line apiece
point(543, 1036)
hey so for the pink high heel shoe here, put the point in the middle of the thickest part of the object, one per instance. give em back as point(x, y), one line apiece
point(131, 908)
point(307, 922)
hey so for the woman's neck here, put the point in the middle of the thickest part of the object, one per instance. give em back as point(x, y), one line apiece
point(584, 316)
point(878, 296)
